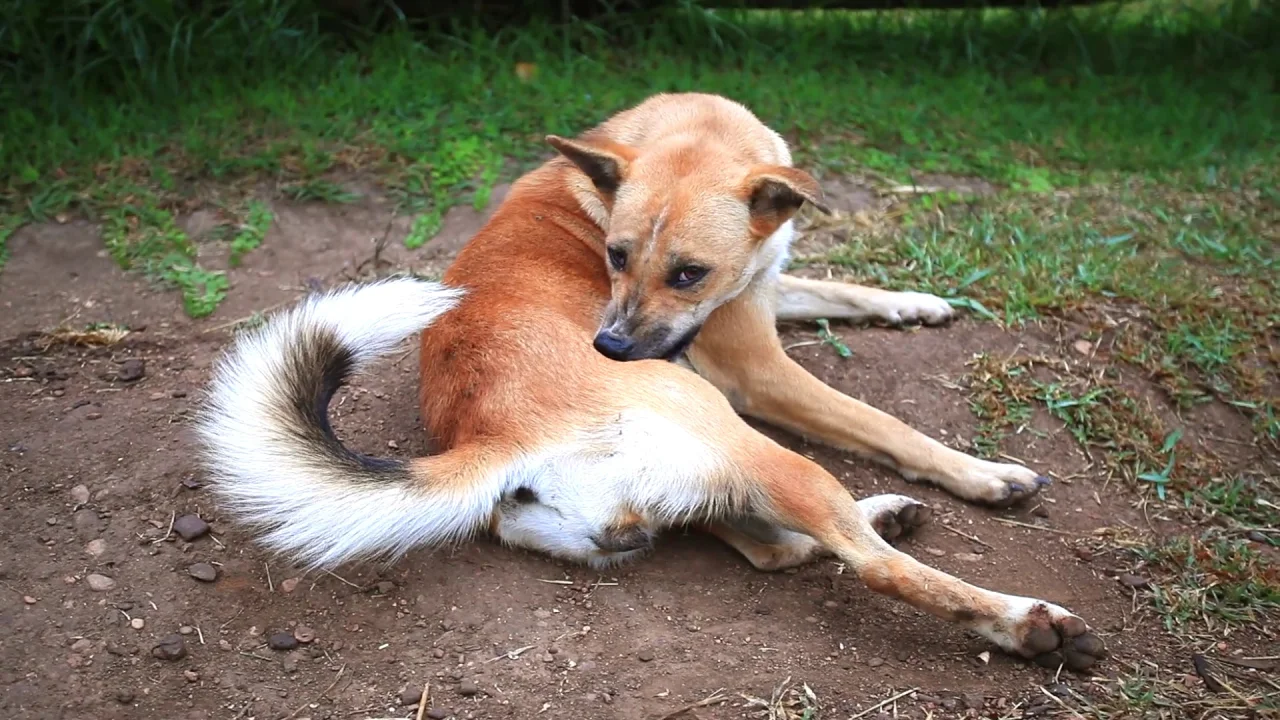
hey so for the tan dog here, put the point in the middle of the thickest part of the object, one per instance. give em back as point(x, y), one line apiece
point(659, 235)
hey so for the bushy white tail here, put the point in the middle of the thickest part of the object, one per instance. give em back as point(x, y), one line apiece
point(273, 458)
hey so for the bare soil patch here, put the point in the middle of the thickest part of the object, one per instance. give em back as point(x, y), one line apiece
point(97, 462)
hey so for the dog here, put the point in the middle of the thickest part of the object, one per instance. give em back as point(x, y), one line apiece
point(586, 363)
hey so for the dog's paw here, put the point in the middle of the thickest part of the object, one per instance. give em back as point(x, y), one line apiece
point(906, 308)
point(997, 484)
point(893, 516)
point(1052, 637)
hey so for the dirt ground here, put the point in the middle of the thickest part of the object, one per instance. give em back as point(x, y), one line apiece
point(97, 462)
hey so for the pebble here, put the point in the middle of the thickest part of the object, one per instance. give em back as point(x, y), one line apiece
point(190, 675)
point(304, 634)
point(968, 557)
point(935, 551)
point(438, 713)
point(80, 494)
point(385, 587)
point(83, 645)
point(1133, 581)
point(410, 696)
point(645, 656)
point(170, 647)
point(96, 547)
point(290, 584)
point(875, 662)
point(186, 630)
point(100, 583)
point(548, 657)
point(190, 527)
point(974, 701)
point(1084, 347)
point(1084, 554)
point(467, 688)
point(137, 623)
point(830, 604)
point(204, 572)
point(289, 664)
point(124, 697)
point(282, 641)
point(29, 600)
point(132, 370)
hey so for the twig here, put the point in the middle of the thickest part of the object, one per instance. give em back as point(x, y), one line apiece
point(256, 657)
point(343, 580)
point(422, 702)
point(1055, 698)
point(172, 515)
point(319, 697)
point(233, 617)
point(200, 633)
point(882, 703)
point(1029, 526)
point(714, 698)
point(556, 582)
point(270, 585)
point(510, 654)
point(967, 536)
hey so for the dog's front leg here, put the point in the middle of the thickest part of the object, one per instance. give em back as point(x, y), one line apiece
point(804, 299)
point(738, 350)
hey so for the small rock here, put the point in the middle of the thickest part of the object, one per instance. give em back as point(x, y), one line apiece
point(542, 614)
point(170, 647)
point(96, 547)
point(1129, 580)
point(289, 664)
point(1084, 554)
point(410, 696)
point(190, 527)
point(393, 445)
point(80, 494)
point(186, 630)
point(100, 583)
point(437, 653)
point(304, 634)
point(548, 657)
point(985, 657)
point(137, 623)
point(875, 662)
point(385, 587)
point(116, 648)
point(1084, 347)
point(974, 701)
point(467, 688)
point(29, 600)
point(83, 645)
point(282, 641)
point(290, 584)
point(830, 604)
point(967, 557)
point(645, 655)
point(190, 675)
point(132, 370)
point(124, 697)
point(438, 713)
point(935, 551)
point(1040, 511)
point(204, 572)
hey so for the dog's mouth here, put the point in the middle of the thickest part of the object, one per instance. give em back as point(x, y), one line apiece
point(626, 349)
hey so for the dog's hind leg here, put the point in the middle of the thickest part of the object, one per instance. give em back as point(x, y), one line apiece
point(770, 547)
point(804, 299)
point(797, 494)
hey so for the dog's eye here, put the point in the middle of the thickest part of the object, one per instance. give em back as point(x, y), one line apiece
point(686, 276)
point(617, 258)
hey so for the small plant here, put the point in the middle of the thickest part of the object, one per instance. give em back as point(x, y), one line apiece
point(251, 232)
point(829, 338)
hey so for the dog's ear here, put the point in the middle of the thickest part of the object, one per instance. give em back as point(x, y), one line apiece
point(604, 162)
point(774, 193)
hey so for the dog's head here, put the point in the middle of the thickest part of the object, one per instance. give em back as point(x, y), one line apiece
point(687, 228)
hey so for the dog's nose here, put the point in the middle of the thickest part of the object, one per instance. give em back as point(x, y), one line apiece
point(614, 346)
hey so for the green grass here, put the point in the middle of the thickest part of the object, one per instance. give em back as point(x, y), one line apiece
point(262, 90)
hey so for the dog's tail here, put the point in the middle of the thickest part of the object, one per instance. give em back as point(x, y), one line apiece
point(274, 461)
